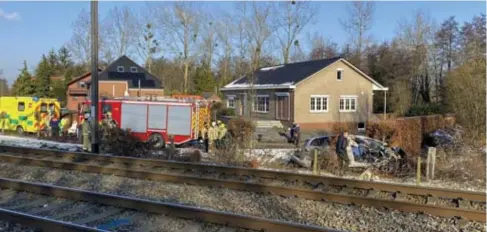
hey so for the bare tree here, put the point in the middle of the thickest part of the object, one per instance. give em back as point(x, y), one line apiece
point(291, 18)
point(225, 33)
point(80, 43)
point(416, 37)
point(322, 48)
point(180, 23)
point(257, 24)
point(119, 28)
point(146, 38)
point(358, 23)
point(209, 37)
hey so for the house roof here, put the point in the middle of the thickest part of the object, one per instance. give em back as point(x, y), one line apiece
point(147, 80)
point(81, 77)
point(288, 75)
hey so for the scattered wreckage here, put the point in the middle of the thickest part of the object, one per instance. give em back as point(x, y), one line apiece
point(363, 151)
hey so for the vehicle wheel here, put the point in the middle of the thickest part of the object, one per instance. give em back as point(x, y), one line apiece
point(20, 130)
point(157, 140)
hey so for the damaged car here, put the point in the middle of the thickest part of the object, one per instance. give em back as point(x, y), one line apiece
point(363, 151)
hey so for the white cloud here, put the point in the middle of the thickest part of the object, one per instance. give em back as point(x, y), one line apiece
point(9, 16)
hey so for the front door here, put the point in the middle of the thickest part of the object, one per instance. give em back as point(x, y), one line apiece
point(282, 108)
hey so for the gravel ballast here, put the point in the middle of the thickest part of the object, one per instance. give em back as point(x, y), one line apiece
point(325, 214)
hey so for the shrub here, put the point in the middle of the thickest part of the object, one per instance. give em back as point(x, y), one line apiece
point(122, 142)
point(383, 130)
point(219, 110)
point(241, 130)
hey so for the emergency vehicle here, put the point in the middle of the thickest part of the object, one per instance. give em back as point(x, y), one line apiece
point(155, 119)
point(27, 114)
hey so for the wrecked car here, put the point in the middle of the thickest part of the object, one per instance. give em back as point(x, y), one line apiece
point(365, 151)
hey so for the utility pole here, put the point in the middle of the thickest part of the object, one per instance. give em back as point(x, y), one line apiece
point(94, 77)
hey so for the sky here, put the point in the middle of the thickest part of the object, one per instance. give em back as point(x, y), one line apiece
point(30, 29)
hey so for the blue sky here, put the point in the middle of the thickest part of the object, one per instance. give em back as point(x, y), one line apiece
point(29, 29)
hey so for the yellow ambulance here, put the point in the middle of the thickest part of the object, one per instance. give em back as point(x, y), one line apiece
point(27, 114)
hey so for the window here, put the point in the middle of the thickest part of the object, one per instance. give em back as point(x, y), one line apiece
point(339, 74)
point(43, 108)
point(261, 103)
point(120, 69)
point(231, 102)
point(318, 103)
point(348, 104)
point(21, 106)
point(51, 107)
point(133, 69)
point(106, 108)
point(361, 126)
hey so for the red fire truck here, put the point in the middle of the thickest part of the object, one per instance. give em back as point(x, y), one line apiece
point(157, 118)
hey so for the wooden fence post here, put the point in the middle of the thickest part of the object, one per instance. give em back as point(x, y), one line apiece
point(315, 162)
point(418, 171)
point(433, 162)
point(428, 162)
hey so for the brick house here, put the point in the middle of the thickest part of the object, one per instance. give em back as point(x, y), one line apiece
point(121, 78)
point(315, 94)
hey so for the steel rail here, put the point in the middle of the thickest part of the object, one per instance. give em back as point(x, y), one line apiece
point(254, 187)
point(379, 186)
point(177, 210)
point(43, 223)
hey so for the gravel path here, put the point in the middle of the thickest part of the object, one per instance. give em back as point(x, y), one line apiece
point(325, 214)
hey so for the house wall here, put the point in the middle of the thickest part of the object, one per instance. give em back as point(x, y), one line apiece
point(271, 114)
point(112, 88)
point(325, 83)
point(72, 99)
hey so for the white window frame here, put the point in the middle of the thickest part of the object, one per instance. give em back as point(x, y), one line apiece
point(339, 70)
point(120, 69)
point(266, 106)
point(134, 69)
point(345, 98)
point(231, 98)
point(322, 97)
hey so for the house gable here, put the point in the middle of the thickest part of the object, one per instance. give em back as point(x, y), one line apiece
point(326, 85)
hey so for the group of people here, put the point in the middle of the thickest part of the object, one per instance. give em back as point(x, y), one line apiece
point(214, 135)
point(58, 127)
point(85, 128)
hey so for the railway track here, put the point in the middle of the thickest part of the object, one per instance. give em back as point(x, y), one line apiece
point(434, 201)
point(54, 208)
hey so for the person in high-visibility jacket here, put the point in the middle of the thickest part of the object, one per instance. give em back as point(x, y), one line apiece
point(204, 136)
point(212, 134)
point(86, 129)
point(222, 131)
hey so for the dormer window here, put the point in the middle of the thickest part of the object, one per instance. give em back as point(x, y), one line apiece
point(339, 74)
point(133, 69)
point(120, 69)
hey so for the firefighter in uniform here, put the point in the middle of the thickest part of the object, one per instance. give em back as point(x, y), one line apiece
point(222, 131)
point(212, 135)
point(86, 129)
point(204, 136)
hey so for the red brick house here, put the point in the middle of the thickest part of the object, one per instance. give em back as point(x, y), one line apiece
point(121, 78)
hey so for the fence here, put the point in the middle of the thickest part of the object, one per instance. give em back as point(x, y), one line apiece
point(409, 132)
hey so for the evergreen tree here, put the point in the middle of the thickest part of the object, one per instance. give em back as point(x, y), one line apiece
point(203, 81)
point(43, 78)
point(64, 60)
point(23, 85)
point(53, 62)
